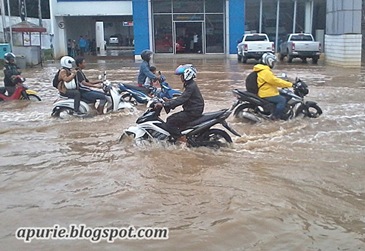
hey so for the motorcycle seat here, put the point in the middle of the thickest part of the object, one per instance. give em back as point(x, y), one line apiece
point(60, 96)
point(137, 88)
point(206, 116)
point(248, 96)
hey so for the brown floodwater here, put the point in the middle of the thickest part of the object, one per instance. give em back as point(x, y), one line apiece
point(288, 185)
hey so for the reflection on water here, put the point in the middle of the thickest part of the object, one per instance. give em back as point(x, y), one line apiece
point(295, 185)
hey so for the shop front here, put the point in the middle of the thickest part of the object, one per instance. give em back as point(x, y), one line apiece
point(188, 26)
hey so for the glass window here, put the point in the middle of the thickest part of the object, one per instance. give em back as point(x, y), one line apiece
point(163, 33)
point(161, 6)
point(214, 6)
point(252, 16)
point(214, 33)
point(255, 37)
point(188, 6)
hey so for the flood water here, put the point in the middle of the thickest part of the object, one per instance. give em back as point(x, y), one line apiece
point(288, 185)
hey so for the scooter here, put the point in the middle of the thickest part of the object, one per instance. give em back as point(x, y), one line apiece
point(198, 132)
point(165, 91)
point(21, 92)
point(142, 95)
point(252, 108)
point(135, 94)
point(64, 106)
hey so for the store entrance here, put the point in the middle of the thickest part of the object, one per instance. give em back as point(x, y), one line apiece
point(188, 37)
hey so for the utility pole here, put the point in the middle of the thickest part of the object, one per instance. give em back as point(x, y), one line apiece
point(22, 10)
point(10, 28)
point(3, 18)
point(40, 12)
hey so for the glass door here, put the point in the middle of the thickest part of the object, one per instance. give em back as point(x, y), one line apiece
point(188, 37)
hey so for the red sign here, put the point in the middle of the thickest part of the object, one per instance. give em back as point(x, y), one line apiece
point(128, 23)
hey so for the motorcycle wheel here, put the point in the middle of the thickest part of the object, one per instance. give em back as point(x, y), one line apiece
point(129, 98)
point(311, 111)
point(214, 138)
point(238, 113)
point(62, 112)
point(31, 97)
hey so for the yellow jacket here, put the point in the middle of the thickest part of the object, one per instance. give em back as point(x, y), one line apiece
point(267, 82)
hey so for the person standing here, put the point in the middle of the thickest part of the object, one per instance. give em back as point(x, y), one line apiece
point(82, 45)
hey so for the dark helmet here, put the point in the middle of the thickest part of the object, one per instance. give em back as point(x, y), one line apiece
point(269, 59)
point(146, 55)
point(9, 57)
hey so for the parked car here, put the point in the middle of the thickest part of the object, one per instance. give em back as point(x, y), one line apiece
point(253, 46)
point(300, 45)
point(114, 40)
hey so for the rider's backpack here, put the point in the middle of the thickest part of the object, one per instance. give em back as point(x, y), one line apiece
point(55, 80)
point(251, 83)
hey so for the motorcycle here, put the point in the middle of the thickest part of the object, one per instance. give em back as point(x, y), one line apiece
point(142, 95)
point(64, 106)
point(198, 132)
point(165, 91)
point(254, 109)
point(21, 92)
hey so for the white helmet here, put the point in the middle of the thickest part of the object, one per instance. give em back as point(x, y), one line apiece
point(67, 61)
point(187, 70)
point(269, 59)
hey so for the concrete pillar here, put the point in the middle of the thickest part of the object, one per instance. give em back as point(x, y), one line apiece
point(308, 16)
point(295, 15)
point(277, 26)
point(260, 21)
point(99, 37)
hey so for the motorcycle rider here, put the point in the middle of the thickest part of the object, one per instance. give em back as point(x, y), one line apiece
point(11, 70)
point(191, 100)
point(67, 74)
point(85, 84)
point(144, 69)
point(268, 84)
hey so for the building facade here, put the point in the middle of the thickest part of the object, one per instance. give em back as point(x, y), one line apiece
point(206, 26)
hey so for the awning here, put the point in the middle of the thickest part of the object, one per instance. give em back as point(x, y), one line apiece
point(26, 26)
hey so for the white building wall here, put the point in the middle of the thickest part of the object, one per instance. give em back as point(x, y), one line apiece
point(91, 8)
point(343, 50)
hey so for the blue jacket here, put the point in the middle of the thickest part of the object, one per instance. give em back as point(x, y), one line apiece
point(144, 72)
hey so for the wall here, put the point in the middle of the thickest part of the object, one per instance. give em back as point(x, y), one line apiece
point(343, 33)
point(343, 50)
point(91, 8)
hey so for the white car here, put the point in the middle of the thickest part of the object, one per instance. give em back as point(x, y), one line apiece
point(113, 40)
point(253, 46)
